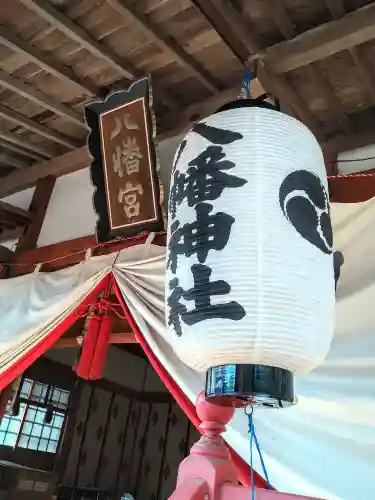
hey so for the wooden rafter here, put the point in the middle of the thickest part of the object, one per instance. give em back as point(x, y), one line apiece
point(17, 44)
point(233, 29)
point(82, 37)
point(32, 94)
point(6, 146)
point(286, 27)
point(165, 42)
point(319, 43)
point(37, 128)
point(337, 10)
point(12, 162)
point(25, 145)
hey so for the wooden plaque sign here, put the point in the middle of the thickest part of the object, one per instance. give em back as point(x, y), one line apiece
point(123, 169)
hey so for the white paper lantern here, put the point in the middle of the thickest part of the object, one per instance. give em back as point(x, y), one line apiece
point(250, 272)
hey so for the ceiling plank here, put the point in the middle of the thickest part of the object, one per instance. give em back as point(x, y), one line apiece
point(12, 162)
point(234, 31)
point(326, 40)
point(31, 93)
point(281, 19)
point(45, 61)
point(337, 10)
point(73, 31)
point(26, 145)
point(26, 122)
point(165, 43)
point(230, 26)
point(330, 97)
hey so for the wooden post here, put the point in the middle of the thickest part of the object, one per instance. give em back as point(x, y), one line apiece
point(208, 472)
point(38, 208)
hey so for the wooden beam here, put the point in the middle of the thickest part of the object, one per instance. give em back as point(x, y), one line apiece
point(73, 31)
point(353, 29)
point(61, 165)
point(165, 42)
point(13, 162)
point(38, 208)
point(234, 31)
point(337, 11)
point(115, 338)
point(37, 128)
point(68, 253)
point(26, 145)
point(32, 94)
point(45, 61)
point(10, 146)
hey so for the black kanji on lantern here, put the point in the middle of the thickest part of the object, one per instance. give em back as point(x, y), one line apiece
point(207, 232)
point(206, 179)
point(216, 135)
point(200, 294)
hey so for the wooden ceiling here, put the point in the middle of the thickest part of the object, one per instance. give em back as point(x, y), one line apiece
point(316, 56)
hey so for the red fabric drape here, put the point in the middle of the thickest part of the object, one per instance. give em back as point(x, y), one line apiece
point(28, 359)
point(243, 469)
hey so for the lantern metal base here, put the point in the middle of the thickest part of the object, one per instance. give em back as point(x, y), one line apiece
point(259, 385)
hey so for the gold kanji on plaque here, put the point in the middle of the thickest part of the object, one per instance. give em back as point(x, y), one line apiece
point(128, 197)
point(127, 155)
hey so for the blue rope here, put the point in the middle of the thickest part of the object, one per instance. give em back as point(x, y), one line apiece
point(247, 84)
point(254, 438)
point(251, 432)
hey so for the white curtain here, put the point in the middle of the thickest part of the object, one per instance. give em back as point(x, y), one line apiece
point(324, 446)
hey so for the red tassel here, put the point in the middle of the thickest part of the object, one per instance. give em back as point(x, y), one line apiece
point(88, 348)
point(101, 349)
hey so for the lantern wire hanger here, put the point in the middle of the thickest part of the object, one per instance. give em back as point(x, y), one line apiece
point(250, 69)
point(249, 409)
